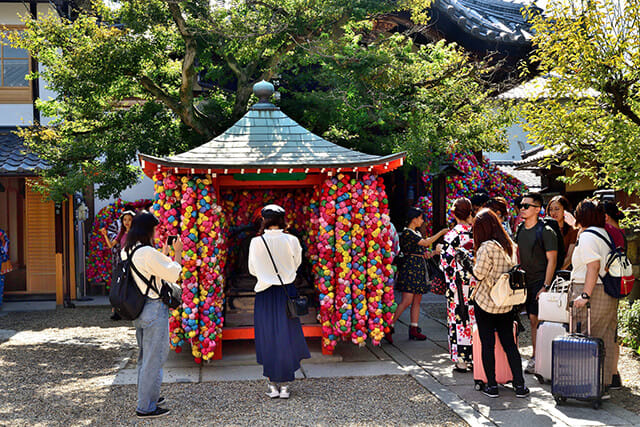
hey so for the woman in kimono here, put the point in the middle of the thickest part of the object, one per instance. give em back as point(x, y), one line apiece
point(460, 314)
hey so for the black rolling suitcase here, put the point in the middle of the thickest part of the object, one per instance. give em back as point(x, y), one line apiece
point(577, 370)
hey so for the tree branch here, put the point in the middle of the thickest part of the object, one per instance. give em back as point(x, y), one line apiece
point(619, 94)
point(176, 14)
point(160, 94)
point(186, 108)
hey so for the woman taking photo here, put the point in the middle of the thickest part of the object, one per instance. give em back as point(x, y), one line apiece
point(588, 266)
point(494, 255)
point(274, 257)
point(556, 209)
point(413, 279)
point(460, 316)
point(152, 325)
point(116, 244)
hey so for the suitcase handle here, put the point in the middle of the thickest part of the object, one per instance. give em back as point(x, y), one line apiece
point(588, 317)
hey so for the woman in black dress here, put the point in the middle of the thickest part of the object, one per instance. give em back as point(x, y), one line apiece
point(413, 279)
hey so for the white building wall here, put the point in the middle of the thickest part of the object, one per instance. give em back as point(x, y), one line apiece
point(517, 138)
point(16, 114)
point(142, 190)
point(22, 114)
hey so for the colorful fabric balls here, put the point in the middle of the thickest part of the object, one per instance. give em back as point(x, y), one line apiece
point(476, 177)
point(99, 259)
point(344, 238)
point(354, 272)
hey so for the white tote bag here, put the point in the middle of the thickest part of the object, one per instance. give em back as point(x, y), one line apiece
point(501, 292)
point(552, 305)
point(503, 295)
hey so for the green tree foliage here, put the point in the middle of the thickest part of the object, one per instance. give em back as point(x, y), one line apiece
point(588, 112)
point(339, 77)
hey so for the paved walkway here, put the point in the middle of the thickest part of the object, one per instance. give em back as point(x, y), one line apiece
point(427, 362)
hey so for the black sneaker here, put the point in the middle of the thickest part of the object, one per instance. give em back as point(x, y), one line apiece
point(522, 391)
point(491, 391)
point(616, 382)
point(160, 401)
point(159, 412)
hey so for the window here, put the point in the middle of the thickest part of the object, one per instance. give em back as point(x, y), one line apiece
point(14, 66)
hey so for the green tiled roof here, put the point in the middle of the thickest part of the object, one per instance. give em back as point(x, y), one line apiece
point(267, 138)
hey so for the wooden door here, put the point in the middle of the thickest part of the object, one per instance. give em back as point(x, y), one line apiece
point(40, 243)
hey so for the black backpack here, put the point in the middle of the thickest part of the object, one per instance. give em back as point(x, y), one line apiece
point(553, 224)
point(125, 295)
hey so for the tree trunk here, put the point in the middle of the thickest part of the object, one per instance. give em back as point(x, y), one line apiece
point(243, 94)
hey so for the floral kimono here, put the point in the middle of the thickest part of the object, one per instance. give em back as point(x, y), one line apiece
point(460, 314)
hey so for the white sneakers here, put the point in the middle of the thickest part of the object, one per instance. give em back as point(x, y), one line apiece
point(282, 394)
point(273, 391)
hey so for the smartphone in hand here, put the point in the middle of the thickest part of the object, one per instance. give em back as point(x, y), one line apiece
point(171, 239)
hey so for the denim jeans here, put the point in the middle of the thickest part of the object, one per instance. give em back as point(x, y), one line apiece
point(152, 334)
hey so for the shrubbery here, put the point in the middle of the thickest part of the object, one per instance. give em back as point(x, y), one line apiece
point(629, 324)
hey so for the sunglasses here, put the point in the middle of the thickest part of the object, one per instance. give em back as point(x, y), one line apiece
point(527, 206)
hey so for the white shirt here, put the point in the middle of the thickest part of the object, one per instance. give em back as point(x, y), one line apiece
point(151, 262)
point(588, 249)
point(287, 254)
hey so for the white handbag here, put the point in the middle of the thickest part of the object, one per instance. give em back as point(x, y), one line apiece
point(552, 305)
point(501, 292)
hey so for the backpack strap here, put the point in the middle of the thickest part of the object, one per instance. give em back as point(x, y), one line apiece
point(540, 225)
point(610, 244)
point(609, 241)
point(517, 232)
point(150, 282)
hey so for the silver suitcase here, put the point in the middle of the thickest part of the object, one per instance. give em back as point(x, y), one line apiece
point(547, 331)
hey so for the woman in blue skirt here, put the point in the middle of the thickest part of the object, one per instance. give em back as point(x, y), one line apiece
point(274, 257)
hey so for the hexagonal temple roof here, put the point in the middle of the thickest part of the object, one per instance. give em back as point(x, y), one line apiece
point(267, 140)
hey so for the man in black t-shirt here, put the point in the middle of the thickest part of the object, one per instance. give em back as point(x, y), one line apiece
point(537, 253)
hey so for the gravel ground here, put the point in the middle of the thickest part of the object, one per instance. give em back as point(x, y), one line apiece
point(629, 363)
point(56, 370)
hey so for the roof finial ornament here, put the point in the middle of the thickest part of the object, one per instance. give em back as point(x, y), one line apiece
point(263, 90)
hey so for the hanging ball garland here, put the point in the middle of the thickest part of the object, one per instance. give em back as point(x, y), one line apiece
point(375, 279)
point(99, 259)
point(389, 304)
point(342, 318)
point(345, 236)
point(189, 235)
point(99, 256)
point(359, 329)
point(210, 256)
point(476, 177)
point(326, 278)
point(362, 305)
point(166, 209)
